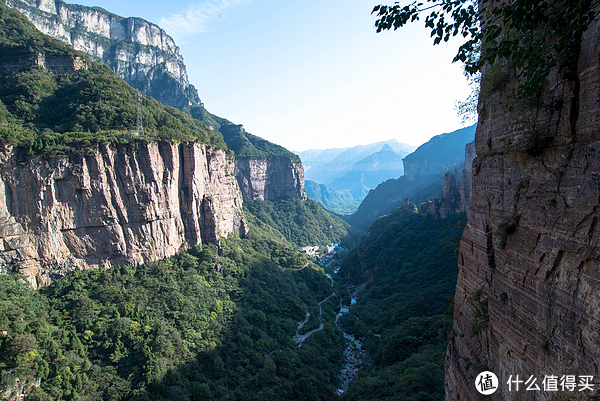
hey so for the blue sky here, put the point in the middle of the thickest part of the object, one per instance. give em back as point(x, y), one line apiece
point(311, 74)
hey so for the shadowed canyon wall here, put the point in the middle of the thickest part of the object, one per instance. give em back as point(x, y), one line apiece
point(530, 256)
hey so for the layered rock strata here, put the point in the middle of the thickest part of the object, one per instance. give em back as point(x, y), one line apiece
point(270, 179)
point(56, 64)
point(527, 300)
point(465, 182)
point(119, 205)
point(140, 52)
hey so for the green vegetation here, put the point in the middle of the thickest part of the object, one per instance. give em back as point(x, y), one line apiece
point(57, 114)
point(528, 36)
point(506, 227)
point(246, 145)
point(481, 316)
point(206, 324)
point(409, 266)
point(389, 195)
point(19, 37)
point(243, 144)
point(303, 223)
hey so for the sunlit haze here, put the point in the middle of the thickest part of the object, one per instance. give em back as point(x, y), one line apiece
point(311, 74)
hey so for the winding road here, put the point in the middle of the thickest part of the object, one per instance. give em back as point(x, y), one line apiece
point(301, 338)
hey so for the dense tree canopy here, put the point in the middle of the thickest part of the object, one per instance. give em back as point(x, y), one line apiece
point(531, 35)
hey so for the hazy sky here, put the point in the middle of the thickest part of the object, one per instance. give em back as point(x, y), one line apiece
point(310, 74)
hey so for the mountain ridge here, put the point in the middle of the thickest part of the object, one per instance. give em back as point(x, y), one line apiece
point(148, 59)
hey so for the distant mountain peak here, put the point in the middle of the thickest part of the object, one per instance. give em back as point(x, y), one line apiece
point(386, 148)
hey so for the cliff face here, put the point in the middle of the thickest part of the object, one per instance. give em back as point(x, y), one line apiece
point(270, 179)
point(413, 169)
point(264, 170)
point(139, 52)
point(465, 182)
point(119, 205)
point(530, 254)
point(56, 64)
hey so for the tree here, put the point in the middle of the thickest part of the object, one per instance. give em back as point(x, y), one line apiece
point(529, 35)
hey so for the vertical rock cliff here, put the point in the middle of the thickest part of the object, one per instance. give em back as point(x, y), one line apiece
point(465, 182)
point(270, 179)
point(147, 58)
point(138, 51)
point(528, 292)
point(263, 169)
point(119, 205)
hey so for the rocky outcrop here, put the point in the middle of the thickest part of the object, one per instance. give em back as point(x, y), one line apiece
point(270, 179)
point(119, 205)
point(138, 51)
point(465, 181)
point(527, 298)
point(56, 64)
point(450, 202)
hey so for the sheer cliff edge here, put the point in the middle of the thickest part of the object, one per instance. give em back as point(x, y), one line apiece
point(528, 287)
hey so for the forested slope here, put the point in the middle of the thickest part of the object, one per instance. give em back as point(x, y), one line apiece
point(303, 223)
point(55, 114)
point(407, 264)
point(205, 324)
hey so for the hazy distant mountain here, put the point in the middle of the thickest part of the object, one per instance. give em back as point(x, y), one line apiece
point(439, 153)
point(369, 172)
point(424, 169)
point(329, 164)
point(339, 202)
point(385, 159)
point(318, 157)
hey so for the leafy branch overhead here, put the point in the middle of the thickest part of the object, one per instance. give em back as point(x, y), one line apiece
point(530, 35)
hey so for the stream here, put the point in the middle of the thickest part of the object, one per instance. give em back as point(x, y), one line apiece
point(353, 352)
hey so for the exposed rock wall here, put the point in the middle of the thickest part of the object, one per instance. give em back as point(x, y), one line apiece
point(415, 168)
point(450, 202)
point(532, 243)
point(140, 52)
point(465, 182)
point(56, 64)
point(119, 205)
point(270, 179)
